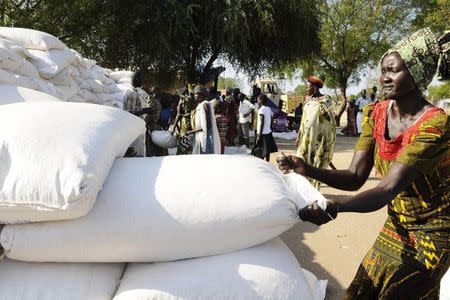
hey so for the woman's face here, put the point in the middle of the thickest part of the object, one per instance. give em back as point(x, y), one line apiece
point(309, 88)
point(395, 77)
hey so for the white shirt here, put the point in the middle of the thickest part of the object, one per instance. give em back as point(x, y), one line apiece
point(362, 102)
point(244, 108)
point(267, 113)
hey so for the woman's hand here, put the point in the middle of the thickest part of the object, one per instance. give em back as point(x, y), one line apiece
point(316, 215)
point(288, 163)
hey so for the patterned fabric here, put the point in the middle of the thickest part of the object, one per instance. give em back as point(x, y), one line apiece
point(222, 126)
point(412, 251)
point(152, 123)
point(317, 133)
point(423, 54)
point(132, 103)
point(231, 110)
point(350, 129)
point(185, 143)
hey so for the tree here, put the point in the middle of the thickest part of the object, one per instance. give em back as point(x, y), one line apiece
point(300, 91)
point(432, 13)
point(176, 36)
point(354, 34)
point(439, 92)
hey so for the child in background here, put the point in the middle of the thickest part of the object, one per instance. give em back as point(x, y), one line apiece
point(222, 125)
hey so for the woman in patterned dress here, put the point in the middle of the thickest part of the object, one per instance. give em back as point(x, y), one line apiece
point(407, 139)
point(317, 132)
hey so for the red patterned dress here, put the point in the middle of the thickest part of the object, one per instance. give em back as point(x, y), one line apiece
point(412, 250)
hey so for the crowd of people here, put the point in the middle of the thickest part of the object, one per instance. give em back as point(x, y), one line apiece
point(355, 109)
point(203, 121)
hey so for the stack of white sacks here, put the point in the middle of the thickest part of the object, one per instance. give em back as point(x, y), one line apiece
point(40, 61)
point(75, 212)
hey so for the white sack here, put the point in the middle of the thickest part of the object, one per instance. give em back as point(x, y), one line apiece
point(164, 139)
point(55, 157)
point(31, 39)
point(49, 63)
point(112, 88)
point(89, 97)
point(269, 271)
point(76, 98)
point(302, 189)
point(15, 94)
point(12, 62)
point(35, 281)
point(27, 82)
point(64, 77)
point(117, 75)
point(124, 80)
point(166, 208)
point(13, 46)
point(318, 287)
point(65, 92)
point(290, 136)
point(445, 287)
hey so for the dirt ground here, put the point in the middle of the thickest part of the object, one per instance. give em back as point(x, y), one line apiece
point(334, 250)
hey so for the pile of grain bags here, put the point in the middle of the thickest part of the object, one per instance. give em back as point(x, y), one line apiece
point(36, 281)
point(40, 61)
point(57, 156)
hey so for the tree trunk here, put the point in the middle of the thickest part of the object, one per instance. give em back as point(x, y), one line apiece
point(343, 105)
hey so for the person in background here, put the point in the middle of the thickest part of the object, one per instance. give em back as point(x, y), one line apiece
point(317, 133)
point(133, 103)
point(166, 111)
point(374, 95)
point(360, 104)
point(407, 139)
point(245, 116)
point(264, 138)
point(231, 112)
point(182, 123)
point(350, 129)
point(221, 122)
point(153, 113)
point(254, 101)
point(207, 140)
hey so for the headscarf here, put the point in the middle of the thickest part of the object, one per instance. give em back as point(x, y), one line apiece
point(316, 80)
point(425, 54)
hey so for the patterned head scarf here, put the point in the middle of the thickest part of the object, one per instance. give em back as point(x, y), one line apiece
point(425, 54)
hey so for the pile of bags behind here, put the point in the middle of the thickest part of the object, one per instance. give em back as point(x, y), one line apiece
point(40, 61)
point(194, 227)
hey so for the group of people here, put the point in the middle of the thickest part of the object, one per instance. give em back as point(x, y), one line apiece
point(355, 112)
point(202, 124)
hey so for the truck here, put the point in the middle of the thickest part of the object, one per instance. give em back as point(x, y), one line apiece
point(286, 103)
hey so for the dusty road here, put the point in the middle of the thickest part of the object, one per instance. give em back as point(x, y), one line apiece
point(335, 250)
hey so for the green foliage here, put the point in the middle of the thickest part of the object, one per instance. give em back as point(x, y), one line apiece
point(354, 35)
point(174, 36)
point(439, 92)
point(227, 83)
point(432, 13)
point(300, 91)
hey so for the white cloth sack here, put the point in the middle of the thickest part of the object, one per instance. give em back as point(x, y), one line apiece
point(10, 61)
point(118, 75)
point(164, 139)
point(167, 208)
point(35, 281)
point(302, 190)
point(290, 135)
point(31, 39)
point(65, 92)
point(13, 46)
point(55, 157)
point(267, 271)
point(445, 287)
point(49, 63)
point(16, 94)
point(201, 123)
point(318, 287)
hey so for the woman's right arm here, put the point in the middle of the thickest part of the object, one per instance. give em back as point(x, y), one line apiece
point(350, 179)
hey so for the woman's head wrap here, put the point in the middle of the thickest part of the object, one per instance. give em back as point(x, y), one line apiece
point(316, 80)
point(425, 54)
